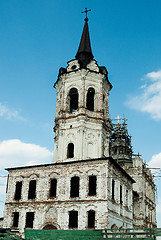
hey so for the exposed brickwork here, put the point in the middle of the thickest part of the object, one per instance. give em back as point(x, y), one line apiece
point(56, 210)
point(81, 150)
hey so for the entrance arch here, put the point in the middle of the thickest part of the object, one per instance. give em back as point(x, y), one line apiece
point(49, 227)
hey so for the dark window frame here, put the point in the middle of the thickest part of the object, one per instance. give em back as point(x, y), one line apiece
point(70, 150)
point(127, 195)
point(30, 219)
point(113, 189)
point(92, 187)
point(90, 99)
point(91, 219)
point(18, 191)
point(73, 100)
point(15, 219)
point(32, 190)
point(53, 188)
point(121, 201)
point(73, 219)
point(74, 186)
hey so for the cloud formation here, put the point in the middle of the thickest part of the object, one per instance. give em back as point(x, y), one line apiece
point(155, 162)
point(149, 98)
point(9, 114)
point(14, 153)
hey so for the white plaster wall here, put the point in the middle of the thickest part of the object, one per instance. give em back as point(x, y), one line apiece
point(56, 210)
point(86, 129)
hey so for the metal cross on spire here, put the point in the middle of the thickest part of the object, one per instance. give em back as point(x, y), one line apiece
point(86, 11)
point(118, 118)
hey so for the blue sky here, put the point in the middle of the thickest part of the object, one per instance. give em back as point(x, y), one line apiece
point(38, 37)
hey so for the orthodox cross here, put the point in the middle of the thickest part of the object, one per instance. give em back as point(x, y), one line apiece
point(118, 118)
point(137, 155)
point(86, 11)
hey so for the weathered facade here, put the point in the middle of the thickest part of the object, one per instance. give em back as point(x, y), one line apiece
point(144, 207)
point(144, 196)
point(92, 194)
point(88, 186)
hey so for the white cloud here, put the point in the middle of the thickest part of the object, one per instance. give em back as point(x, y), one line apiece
point(9, 113)
point(149, 98)
point(14, 153)
point(155, 161)
point(3, 182)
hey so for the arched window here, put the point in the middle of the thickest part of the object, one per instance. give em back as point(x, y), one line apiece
point(70, 150)
point(74, 187)
point(92, 185)
point(91, 219)
point(32, 189)
point(18, 190)
point(73, 98)
point(73, 219)
point(53, 187)
point(90, 99)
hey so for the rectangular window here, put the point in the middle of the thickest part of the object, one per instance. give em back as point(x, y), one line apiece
point(18, 191)
point(92, 185)
point(113, 189)
point(29, 219)
point(74, 187)
point(32, 189)
point(73, 219)
point(15, 219)
point(127, 193)
point(120, 194)
point(53, 186)
point(91, 219)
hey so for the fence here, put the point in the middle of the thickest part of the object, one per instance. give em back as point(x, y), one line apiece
point(137, 233)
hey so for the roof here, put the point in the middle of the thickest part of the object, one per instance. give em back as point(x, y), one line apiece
point(78, 161)
point(84, 54)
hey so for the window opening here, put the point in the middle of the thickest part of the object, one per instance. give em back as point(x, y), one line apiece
point(18, 191)
point(127, 193)
point(70, 150)
point(90, 99)
point(103, 103)
point(73, 219)
point(53, 187)
point(29, 219)
point(73, 95)
point(15, 219)
point(74, 187)
point(92, 185)
point(32, 189)
point(91, 219)
point(120, 194)
point(113, 189)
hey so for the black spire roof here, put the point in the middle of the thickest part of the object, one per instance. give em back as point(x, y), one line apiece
point(84, 54)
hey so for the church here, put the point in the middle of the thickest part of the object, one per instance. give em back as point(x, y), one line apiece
point(95, 181)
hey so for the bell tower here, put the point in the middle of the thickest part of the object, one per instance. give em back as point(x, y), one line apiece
point(82, 111)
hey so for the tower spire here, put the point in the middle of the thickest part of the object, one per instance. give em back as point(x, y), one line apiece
point(84, 54)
